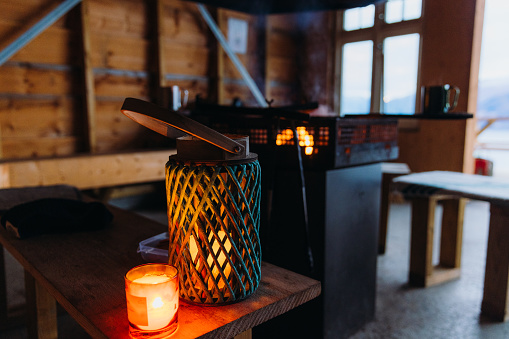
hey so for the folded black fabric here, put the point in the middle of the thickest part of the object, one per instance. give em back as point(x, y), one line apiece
point(55, 215)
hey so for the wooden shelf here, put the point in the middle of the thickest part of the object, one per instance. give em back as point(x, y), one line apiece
point(434, 116)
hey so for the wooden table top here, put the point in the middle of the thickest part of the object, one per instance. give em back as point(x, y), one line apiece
point(85, 272)
point(472, 186)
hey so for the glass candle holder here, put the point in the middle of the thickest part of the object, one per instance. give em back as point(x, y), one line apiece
point(152, 294)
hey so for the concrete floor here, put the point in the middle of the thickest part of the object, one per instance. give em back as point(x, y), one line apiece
point(450, 310)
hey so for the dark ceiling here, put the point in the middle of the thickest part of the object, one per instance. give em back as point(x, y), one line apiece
point(286, 6)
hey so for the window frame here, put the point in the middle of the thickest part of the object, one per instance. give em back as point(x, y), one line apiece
point(377, 33)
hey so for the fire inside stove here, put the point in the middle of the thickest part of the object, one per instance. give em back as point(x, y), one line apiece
point(306, 140)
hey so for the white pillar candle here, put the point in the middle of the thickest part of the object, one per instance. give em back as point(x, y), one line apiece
point(152, 296)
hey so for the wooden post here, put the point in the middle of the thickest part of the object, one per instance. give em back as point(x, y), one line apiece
point(161, 69)
point(496, 278)
point(267, 54)
point(331, 66)
point(220, 60)
point(158, 84)
point(41, 310)
point(475, 62)
point(378, 62)
point(338, 57)
point(88, 75)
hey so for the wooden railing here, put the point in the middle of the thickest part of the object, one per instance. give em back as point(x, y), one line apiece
point(502, 146)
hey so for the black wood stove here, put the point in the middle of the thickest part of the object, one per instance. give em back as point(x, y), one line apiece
point(321, 203)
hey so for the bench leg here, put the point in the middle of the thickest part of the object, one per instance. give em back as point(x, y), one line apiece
point(422, 273)
point(496, 278)
point(3, 291)
point(452, 232)
point(421, 241)
point(41, 310)
point(384, 211)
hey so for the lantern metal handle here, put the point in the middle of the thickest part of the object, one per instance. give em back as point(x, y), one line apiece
point(161, 120)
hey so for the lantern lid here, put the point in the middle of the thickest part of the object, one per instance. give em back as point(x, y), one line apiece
point(162, 121)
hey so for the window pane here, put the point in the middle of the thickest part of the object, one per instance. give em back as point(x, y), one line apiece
point(367, 16)
point(401, 56)
point(412, 9)
point(393, 11)
point(399, 10)
point(351, 19)
point(356, 77)
point(357, 18)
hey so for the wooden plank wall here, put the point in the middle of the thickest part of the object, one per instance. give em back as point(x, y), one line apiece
point(61, 94)
point(282, 59)
point(120, 46)
point(229, 81)
point(38, 86)
point(186, 48)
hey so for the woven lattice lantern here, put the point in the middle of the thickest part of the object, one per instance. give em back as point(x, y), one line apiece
point(213, 195)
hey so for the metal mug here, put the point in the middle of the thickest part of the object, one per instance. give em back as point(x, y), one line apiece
point(179, 98)
point(439, 99)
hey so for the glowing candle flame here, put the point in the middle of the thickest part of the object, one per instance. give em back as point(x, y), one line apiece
point(221, 258)
point(157, 303)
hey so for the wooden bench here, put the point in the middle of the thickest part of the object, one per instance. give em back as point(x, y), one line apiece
point(424, 190)
point(84, 272)
point(112, 174)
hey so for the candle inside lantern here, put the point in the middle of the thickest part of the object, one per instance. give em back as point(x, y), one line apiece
point(152, 299)
point(221, 258)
